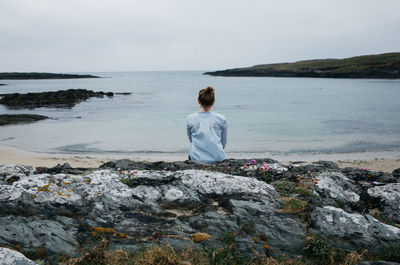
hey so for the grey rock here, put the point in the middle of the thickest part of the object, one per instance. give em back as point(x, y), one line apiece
point(6, 119)
point(337, 186)
point(60, 208)
point(301, 167)
point(12, 257)
point(389, 197)
point(396, 173)
point(378, 263)
point(56, 236)
point(353, 231)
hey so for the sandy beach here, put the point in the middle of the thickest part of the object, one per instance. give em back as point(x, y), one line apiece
point(378, 161)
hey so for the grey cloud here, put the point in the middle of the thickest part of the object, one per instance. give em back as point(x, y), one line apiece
point(102, 35)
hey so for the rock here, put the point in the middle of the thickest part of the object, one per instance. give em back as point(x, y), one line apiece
point(58, 99)
point(229, 166)
point(303, 167)
point(378, 263)
point(22, 76)
point(360, 174)
point(49, 209)
point(6, 119)
point(389, 198)
point(353, 231)
point(56, 236)
point(337, 186)
point(138, 204)
point(396, 173)
point(12, 257)
point(65, 168)
point(11, 173)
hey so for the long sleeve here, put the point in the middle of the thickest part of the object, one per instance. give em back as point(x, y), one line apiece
point(224, 134)
point(189, 133)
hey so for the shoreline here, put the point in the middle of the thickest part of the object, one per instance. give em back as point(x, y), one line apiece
point(385, 161)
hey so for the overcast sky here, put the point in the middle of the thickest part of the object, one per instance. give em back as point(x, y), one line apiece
point(134, 35)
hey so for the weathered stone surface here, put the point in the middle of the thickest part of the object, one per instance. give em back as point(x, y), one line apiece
point(229, 166)
point(12, 257)
point(351, 231)
point(58, 99)
point(63, 209)
point(156, 205)
point(362, 174)
point(389, 200)
point(303, 167)
point(378, 263)
point(32, 233)
point(337, 186)
point(396, 173)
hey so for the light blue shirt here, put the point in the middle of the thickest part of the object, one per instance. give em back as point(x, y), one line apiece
point(207, 136)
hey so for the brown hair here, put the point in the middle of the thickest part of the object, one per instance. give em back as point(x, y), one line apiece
point(206, 97)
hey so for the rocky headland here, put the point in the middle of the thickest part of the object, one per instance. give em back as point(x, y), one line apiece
point(6, 119)
point(57, 99)
point(247, 209)
point(369, 66)
point(33, 75)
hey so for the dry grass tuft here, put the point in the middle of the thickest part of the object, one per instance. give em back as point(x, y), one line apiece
point(354, 258)
point(99, 255)
point(166, 255)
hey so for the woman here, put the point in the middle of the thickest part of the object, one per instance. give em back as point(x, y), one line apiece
point(206, 130)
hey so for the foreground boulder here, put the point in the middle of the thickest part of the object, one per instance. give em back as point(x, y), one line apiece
point(261, 210)
point(353, 231)
point(12, 257)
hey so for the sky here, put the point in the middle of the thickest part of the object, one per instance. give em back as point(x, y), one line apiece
point(152, 35)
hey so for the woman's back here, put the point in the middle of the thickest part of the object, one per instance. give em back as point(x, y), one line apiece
point(206, 130)
point(207, 133)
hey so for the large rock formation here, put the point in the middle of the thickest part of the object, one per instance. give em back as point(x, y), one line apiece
point(58, 99)
point(269, 209)
point(6, 119)
point(21, 76)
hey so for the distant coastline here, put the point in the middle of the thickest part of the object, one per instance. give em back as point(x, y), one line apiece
point(386, 66)
point(33, 75)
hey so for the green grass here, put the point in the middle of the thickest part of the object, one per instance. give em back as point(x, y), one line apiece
point(248, 227)
point(293, 205)
point(286, 188)
point(391, 253)
point(228, 237)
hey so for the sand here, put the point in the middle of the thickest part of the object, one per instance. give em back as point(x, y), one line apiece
point(378, 161)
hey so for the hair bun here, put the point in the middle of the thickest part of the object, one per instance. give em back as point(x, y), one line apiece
point(209, 90)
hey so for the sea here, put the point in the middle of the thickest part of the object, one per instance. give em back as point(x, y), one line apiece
point(267, 116)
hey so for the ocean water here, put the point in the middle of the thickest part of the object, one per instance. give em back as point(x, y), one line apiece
point(265, 115)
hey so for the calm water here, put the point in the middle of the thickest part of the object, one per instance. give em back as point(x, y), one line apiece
point(274, 115)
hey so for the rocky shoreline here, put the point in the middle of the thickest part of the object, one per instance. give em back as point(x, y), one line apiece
point(58, 99)
point(33, 75)
point(258, 207)
point(6, 119)
point(385, 66)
